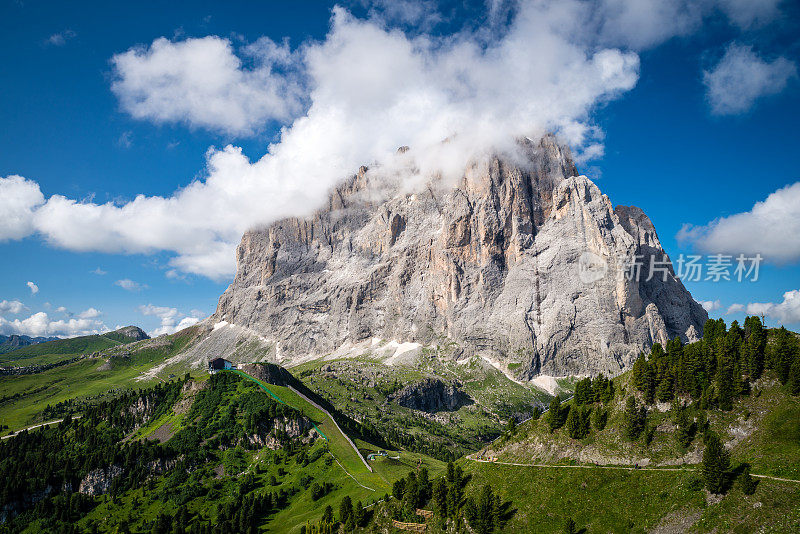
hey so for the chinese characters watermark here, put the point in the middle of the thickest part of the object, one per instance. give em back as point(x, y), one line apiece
point(687, 267)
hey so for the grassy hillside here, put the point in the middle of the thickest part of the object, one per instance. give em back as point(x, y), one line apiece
point(602, 500)
point(51, 351)
point(558, 477)
point(195, 452)
point(361, 387)
point(33, 398)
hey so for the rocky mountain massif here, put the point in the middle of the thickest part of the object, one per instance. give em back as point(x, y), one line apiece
point(518, 263)
point(14, 342)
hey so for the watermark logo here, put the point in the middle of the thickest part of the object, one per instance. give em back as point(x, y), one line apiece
point(591, 267)
point(687, 267)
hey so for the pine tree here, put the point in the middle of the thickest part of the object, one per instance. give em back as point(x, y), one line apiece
point(345, 509)
point(440, 496)
point(650, 382)
point(512, 426)
point(555, 415)
point(640, 373)
point(359, 516)
point(747, 481)
point(583, 392)
point(600, 418)
point(724, 384)
point(666, 386)
point(716, 462)
point(633, 419)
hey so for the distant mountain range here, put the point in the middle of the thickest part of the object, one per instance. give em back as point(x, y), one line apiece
point(19, 345)
point(14, 342)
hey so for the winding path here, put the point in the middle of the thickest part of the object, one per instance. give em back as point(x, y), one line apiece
point(617, 467)
point(53, 422)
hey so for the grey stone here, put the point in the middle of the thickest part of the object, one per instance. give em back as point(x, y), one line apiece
point(517, 262)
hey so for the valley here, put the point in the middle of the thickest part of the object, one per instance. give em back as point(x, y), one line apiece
point(585, 467)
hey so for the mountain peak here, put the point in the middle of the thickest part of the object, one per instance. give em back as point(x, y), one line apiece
point(490, 266)
point(133, 332)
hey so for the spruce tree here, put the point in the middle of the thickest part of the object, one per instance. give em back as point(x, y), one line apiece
point(724, 384)
point(583, 392)
point(640, 373)
point(716, 462)
point(359, 515)
point(783, 353)
point(600, 418)
point(345, 509)
point(747, 481)
point(666, 386)
point(554, 415)
point(574, 423)
point(633, 420)
point(440, 497)
point(650, 382)
point(512, 426)
point(794, 377)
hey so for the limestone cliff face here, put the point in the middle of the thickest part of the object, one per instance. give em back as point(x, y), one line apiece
point(517, 262)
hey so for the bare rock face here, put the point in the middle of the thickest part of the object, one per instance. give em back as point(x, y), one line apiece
point(133, 332)
point(431, 395)
point(98, 481)
point(517, 262)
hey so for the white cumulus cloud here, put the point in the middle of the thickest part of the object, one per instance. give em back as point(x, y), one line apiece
point(12, 307)
point(203, 83)
point(171, 319)
point(786, 311)
point(750, 13)
point(711, 305)
point(741, 77)
point(33, 287)
point(129, 285)
point(40, 324)
point(90, 313)
point(771, 228)
point(18, 200)
point(735, 308)
point(353, 98)
point(60, 38)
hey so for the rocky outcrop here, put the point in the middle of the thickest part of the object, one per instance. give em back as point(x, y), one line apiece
point(271, 374)
point(518, 262)
point(34, 369)
point(283, 429)
point(98, 481)
point(431, 395)
point(134, 332)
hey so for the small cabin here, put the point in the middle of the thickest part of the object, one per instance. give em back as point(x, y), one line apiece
point(218, 364)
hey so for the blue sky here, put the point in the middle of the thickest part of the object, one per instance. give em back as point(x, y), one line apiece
point(688, 111)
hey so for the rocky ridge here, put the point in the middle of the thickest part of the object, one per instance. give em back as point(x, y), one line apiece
point(431, 395)
point(518, 263)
